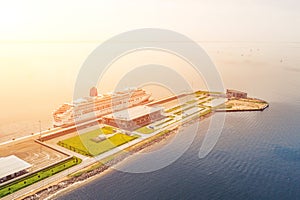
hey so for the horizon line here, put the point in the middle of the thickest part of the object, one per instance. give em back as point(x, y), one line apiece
point(100, 41)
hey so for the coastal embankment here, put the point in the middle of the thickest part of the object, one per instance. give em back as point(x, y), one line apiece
point(101, 166)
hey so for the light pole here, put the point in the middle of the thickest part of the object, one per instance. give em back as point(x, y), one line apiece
point(40, 123)
point(40, 137)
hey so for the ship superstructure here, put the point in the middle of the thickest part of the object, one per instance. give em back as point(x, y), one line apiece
point(88, 108)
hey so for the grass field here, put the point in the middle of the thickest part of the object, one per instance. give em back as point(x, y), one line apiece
point(85, 145)
point(223, 106)
point(35, 177)
point(106, 130)
point(191, 101)
point(120, 153)
point(173, 109)
point(145, 130)
point(178, 113)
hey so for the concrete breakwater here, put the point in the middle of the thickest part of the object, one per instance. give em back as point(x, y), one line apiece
point(64, 184)
point(51, 190)
point(243, 110)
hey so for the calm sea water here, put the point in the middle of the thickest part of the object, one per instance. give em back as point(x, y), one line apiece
point(256, 157)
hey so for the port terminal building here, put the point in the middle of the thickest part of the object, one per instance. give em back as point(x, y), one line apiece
point(135, 117)
point(236, 94)
point(12, 167)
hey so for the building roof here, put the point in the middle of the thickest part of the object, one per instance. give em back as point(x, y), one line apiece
point(12, 164)
point(235, 91)
point(133, 113)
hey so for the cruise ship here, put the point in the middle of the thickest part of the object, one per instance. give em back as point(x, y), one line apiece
point(87, 108)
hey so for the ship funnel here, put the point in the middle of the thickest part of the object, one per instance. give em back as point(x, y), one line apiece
point(93, 92)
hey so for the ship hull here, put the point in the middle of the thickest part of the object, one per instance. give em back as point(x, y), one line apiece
point(92, 116)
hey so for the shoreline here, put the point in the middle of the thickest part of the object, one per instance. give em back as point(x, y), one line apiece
point(86, 176)
point(102, 167)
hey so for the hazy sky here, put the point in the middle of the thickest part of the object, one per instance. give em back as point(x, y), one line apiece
point(212, 20)
point(37, 77)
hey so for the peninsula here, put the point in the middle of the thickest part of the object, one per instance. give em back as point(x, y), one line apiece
point(88, 130)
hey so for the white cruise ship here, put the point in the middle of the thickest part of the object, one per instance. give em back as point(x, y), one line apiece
point(85, 109)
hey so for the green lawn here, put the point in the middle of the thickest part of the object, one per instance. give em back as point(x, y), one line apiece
point(173, 109)
point(184, 109)
point(199, 93)
point(223, 106)
point(191, 101)
point(178, 113)
point(201, 98)
point(106, 130)
point(145, 130)
point(84, 144)
point(205, 112)
point(35, 177)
